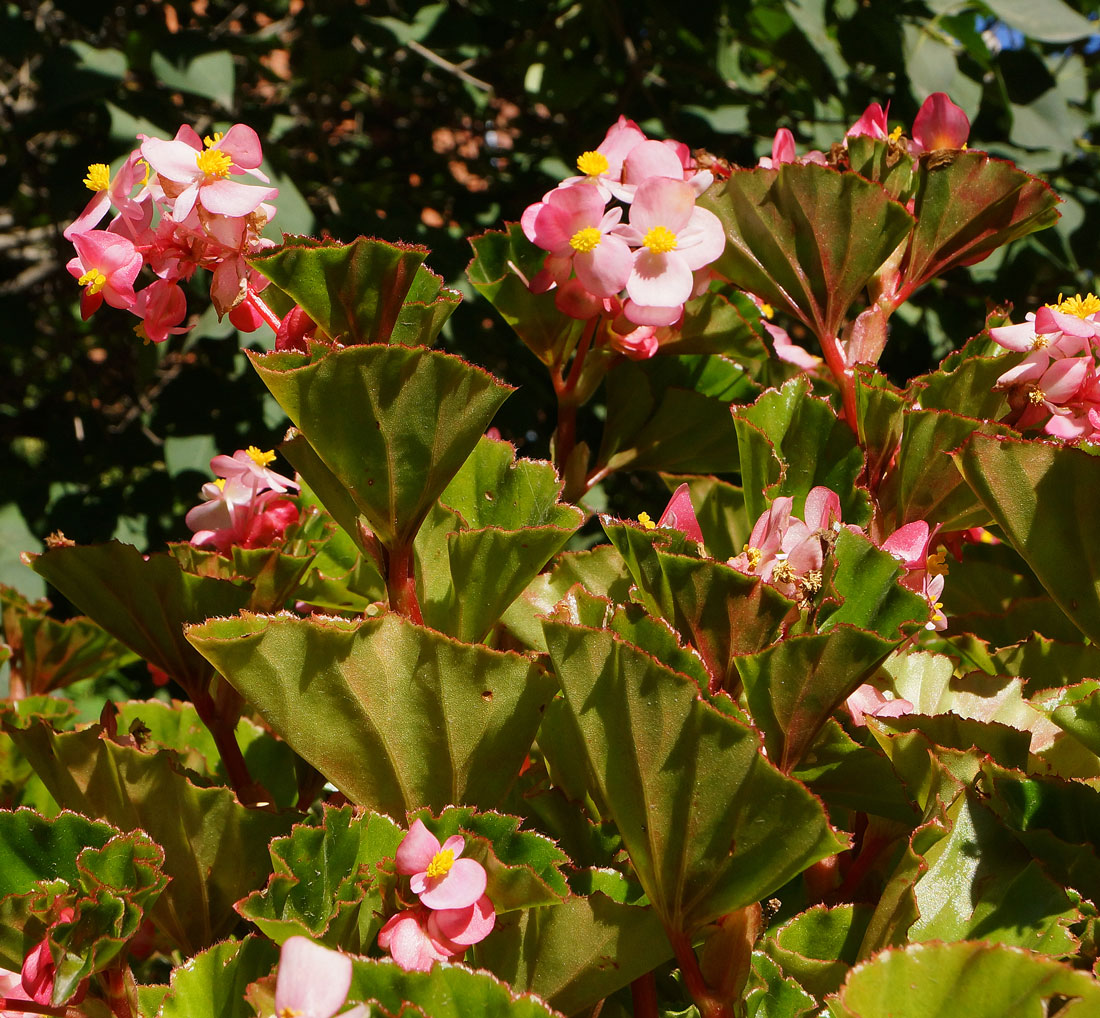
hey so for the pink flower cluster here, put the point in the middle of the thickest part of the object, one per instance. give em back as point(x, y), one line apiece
point(35, 982)
point(453, 911)
point(177, 209)
point(788, 552)
point(246, 506)
point(1056, 385)
point(640, 272)
point(313, 982)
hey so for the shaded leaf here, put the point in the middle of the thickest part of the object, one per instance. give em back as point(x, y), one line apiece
point(213, 983)
point(819, 946)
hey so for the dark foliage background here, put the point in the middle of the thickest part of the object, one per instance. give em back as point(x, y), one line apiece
point(431, 122)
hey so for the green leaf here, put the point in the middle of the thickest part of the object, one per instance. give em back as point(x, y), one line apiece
point(819, 946)
point(1013, 478)
point(715, 608)
point(506, 525)
point(575, 953)
point(354, 292)
point(1078, 712)
point(806, 239)
point(447, 991)
point(209, 75)
point(879, 418)
point(884, 163)
point(1053, 22)
point(770, 994)
point(425, 311)
point(323, 884)
point(144, 602)
point(395, 715)
point(672, 414)
point(708, 823)
point(547, 332)
point(213, 846)
point(978, 980)
point(110, 879)
point(715, 323)
point(791, 441)
point(408, 420)
point(967, 209)
point(213, 983)
point(793, 686)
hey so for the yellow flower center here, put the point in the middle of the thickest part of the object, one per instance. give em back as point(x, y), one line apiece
point(441, 863)
point(211, 142)
point(754, 555)
point(289, 1012)
point(214, 163)
point(645, 520)
point(1078, 306)
point(937, 564)
point(260, 458)
point(94, 280)
point(592, 164)
point(660, 240)
point(99, 177)
point(783, 573)
point(1041, 343)
point(585, 240)
point(766, 310)
point(219, 483)
point(895, 134)
point(1036, 396)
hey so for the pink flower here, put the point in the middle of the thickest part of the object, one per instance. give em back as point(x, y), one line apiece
point(872, 124)
point(106, 265)
point(867, 701)
point(680, 514)
point(203, 169)
point(312, 981)
point(11, 989)
point(161, 306)
point(440, 878)
point(463, 926)
point(572, 225)
point(675, 239)
point(251, 465)
point(108, 191)
point(410, 942)
point(782, 150)
point(660, 159)
point(603, 167)
point(924, 573)
point(939, 124)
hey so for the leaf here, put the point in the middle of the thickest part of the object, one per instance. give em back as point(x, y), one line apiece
point(878, 417)
point(323, 884)
point(819, 946)
point(143, 602)
point(1078, 712)
point(209, 75)
point(110, 879)
point(213, 983)
point(409, 418)
point(967, 209)
point(577, 952)
point(806, 239)
point(447, 991)
point(395, 715)
point(509, 524)
point(1013, 478)
point(213, 846)
point(791, 441)
point(770, 994)
point(979, 980)
point(793, 686)
point(672, 414)
point(355, 292)
point(708, 823)
point(720, 510)
point(883, 162)
point(1055, 22)
point(425, 311)
point(547, 332)
point(715, 323)
point(715, 608)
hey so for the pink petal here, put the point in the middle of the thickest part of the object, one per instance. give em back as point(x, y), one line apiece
point(703, 239)
point(651, 159)
point(909, 544)
point(621, 139)
point(604, 270)
point(1015, 337)
point(641, 314)
point(1048, 320)
point(172, 159)
point(462, 885)
point(410, 944)
point(783, 147)
point(228, 198)
point(662, 202)
point(464, 926)
point(680, 514)
point(939, 124)
point(242, 143)
point(872, 124)
point(822, 508)
point(1063, 378)
point(659, 280)
point(772, 525)
point(312, 981)
point(417, 849)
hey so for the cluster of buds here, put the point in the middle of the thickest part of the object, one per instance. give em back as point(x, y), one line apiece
point(453, 911)
point(1056, 385)
point(246, 505)
point(176, 208)
point(637, 273)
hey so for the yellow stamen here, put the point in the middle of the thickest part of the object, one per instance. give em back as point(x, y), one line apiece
point(1036, 397)
point(148, 168)
point(99, 177)
point(260, 458)
point(895, 134)
point(211, 142)
point(645, 520)
point(1041, 343)
point(783, 573)
point(766, 310)
point(586, 240)
point(289, 1012)
point(660, 240)
point(937, 564)
point(754, 556)
point(592, 164)
point(214, 163)
point(811, 582)
point(94, 280)
point(1078, 306)
point(219, 483)
point(441, 864)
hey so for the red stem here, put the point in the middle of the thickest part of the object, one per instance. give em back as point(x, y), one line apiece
point(834, 358)
point(261, 308)
point(709, 1005)
point(223, 730)
point(643, 992)
point(29, 1007)
point(566, 435)
point(401, 584)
